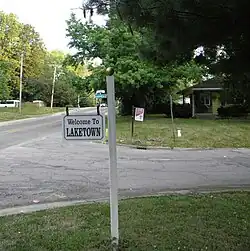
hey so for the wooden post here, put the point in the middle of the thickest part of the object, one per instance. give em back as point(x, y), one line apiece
point(172, 116)
point(193, 105)
point(132, 121)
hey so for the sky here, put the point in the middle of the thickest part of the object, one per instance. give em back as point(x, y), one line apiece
point(48, 17)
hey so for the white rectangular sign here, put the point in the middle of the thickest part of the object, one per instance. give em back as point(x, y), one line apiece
point(84, 127)
point(139, 114)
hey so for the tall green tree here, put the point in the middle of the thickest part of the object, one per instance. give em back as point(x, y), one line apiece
point(33, 48)
point(16, 39)
point(68, 82)
point(4, 80)
point(138, 82)
point(185, 24)
point(10, 29)
point(117, 48)
point(177, 27)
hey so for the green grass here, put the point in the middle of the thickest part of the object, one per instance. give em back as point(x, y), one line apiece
point(200, 222)
point(28, 111)
point(157, 130)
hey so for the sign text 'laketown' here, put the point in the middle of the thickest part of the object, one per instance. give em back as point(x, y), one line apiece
point(83, 127)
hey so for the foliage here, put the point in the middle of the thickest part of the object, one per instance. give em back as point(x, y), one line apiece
point(179, 110)
point(41, 88)
point(68, 82)
point(138, 82)
point(238, 89)
point(184, 25)
point(117, 48)
point(232, 111)
point(16, 39)
point(32, 46)
point(179, 27)
point(4, 79)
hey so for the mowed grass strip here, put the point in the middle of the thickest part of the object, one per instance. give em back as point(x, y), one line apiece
point(28, 111)
point(157, 130)
point(197, 222)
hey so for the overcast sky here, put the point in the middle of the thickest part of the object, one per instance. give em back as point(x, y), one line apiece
point(48, 17)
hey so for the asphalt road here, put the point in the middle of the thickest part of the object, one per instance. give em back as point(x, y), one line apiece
point(37, 165)
point(24, 130)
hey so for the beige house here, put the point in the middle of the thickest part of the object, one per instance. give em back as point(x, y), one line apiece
point(206, 97)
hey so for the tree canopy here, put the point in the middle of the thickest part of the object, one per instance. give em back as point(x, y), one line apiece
point(177, 27)
point(17, 39)
point(138, 82)
point(180, 26)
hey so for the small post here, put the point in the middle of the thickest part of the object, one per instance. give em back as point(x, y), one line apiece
point(178, 133)
point(172, 115)
point(132, 122)
point(98, 109)
point(113, 159)
point(67, 110)
point(193, 106)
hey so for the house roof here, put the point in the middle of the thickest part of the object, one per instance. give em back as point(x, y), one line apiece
point(210, 84)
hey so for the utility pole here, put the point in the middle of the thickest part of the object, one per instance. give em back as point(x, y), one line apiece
point(53, 89)
point(21, 83)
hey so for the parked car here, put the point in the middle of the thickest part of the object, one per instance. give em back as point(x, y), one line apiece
point(9, 103)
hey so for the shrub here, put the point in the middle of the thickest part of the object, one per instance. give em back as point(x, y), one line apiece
point(232, 111)
point(180, 111)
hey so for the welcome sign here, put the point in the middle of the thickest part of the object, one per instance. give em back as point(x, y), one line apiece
point(84, 127)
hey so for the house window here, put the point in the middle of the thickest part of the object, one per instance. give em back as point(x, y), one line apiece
point(205, 99)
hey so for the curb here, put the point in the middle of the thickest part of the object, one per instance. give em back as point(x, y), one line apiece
point(168, 148)
point(46, 206)
point(53, 205)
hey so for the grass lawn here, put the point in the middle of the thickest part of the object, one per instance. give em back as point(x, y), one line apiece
point(27, 112)
point(157, 130)
point(200, 222)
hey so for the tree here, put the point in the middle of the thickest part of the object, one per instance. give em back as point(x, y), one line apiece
point(135, 80)
point(183, 24)
point(68, 84)
point(9, 38)
point(9, 34)
point(4, 80)
point(17, 39)
point(32, 46)
point(138, 82)
point(178, 27)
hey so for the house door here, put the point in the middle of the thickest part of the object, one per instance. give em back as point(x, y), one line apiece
point(205, 100)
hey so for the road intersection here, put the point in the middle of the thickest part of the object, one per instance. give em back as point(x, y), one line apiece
point(37, 165)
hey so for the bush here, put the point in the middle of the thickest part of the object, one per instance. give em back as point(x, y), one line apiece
point(180, 111)
point(232, 111)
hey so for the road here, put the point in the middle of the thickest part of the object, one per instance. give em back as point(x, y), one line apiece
point(24, 130)
point(37, 165)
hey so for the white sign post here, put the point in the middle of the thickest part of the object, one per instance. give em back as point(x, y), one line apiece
point(113, 160)
point(84, 127)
